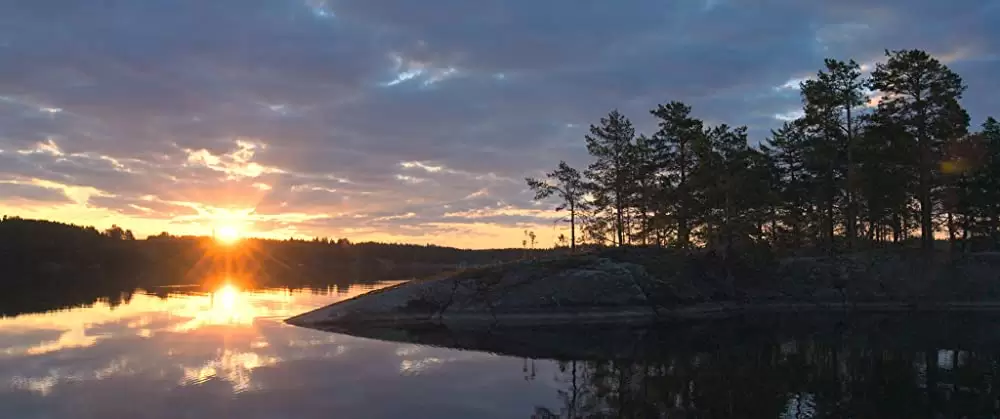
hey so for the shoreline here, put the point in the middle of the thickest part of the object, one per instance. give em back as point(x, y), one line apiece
point(638, 315)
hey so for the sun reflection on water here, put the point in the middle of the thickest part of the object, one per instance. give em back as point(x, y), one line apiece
point(197, 336)
point(226, 297)
point(230, 306)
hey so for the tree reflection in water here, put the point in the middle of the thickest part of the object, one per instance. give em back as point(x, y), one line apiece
point(794, 379)
point(898, 366)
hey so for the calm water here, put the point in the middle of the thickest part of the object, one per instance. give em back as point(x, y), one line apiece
point(228, 355)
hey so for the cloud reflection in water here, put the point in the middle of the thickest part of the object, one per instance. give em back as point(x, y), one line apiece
point(228, 354)
point(211, 336)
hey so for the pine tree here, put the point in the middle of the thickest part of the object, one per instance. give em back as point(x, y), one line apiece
point(824, 156)
point(722, 175)
point(831, 100)
point(567, 183)
point(674, 145)
point(646, 194)
point(844, 93)
point(884, 171)
point(921, 95)
point(842, 172)
point(987, 181)
point(990, 178)
point(611, 144)
point(785, 150)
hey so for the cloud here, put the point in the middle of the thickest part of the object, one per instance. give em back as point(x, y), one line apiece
point(147, 206)
point(237, 164)
point(32, 193)
point(343, 112)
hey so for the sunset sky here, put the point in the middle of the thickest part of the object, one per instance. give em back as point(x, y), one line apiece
point(400, 120)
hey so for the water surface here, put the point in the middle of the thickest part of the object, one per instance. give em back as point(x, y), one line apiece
point(227, 354)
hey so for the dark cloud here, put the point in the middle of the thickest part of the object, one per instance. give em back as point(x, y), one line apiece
point(155, 98)
point(14, 191)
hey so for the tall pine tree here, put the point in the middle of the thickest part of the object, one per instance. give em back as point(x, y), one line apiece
point(674, 145)
point(921, 95)
point(611, 144)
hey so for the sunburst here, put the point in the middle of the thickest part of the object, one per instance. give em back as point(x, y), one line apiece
point(228, 235)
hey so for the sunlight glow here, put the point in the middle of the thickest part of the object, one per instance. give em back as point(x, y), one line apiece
point(227, 234)
point(226, 297)
point(227, 306)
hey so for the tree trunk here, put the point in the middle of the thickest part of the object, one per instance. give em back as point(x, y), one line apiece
point(926, 214)
point(829, 217)
point(620, 222)
point(644, 229)
point(683, 236)
point(728, 225)
point(572, 227)
point(683, 230)
point(896, 228)
point(951, 232)
point(926, 206)
point(849, 188)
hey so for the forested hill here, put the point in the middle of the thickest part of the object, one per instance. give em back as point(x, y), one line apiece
point(37, 253)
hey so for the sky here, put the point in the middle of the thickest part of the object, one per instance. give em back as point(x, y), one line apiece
point(401, 120)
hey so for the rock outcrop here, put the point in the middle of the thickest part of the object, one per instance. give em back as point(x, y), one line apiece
point(636, 286)
point(553, 291)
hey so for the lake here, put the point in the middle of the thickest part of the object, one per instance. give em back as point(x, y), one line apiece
point(185, 353)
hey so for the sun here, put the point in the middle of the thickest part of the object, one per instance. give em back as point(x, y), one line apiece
point(227, 234)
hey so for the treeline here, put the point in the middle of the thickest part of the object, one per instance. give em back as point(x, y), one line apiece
point(42, 255)
point(873, 160)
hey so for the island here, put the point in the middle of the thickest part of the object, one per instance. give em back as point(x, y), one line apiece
point(632, 286)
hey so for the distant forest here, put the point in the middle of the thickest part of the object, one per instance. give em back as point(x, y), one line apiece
point(872, 162)
point(39, 257)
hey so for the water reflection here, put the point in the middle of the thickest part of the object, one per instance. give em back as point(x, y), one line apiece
point(814, 381)
point(226, 353)
point(820, 367)
point(179, 353)
point(177, 326)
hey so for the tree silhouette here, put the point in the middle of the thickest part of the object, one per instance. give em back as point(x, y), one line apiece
point(850, 174)
point(42, 256)
point(676, 161)
point(566, 183)
point(115, 232)
point(987, 180)
point(785, 150)
point(611, 144)
point(830, 103)
point(921, 97)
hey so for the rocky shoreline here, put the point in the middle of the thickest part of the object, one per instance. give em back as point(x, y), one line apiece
point(644, 286)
